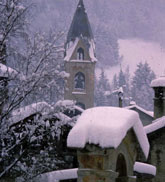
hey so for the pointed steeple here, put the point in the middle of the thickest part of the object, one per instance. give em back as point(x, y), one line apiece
point(80, 26)
point(81, 4)
point(80, 60)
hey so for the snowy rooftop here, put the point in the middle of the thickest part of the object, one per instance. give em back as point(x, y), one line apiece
point(106, 127)
point(133, 105)
point(156, 125)
point(72, 46)
point(24, 112)
point(159, 82)
point(70, 50)
point(144, 168)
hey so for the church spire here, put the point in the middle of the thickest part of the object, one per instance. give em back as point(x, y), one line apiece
point(80, 60)
point(81, 4)
point(80, 26)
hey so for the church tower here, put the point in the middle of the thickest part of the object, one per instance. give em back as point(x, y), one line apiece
point(80, 60)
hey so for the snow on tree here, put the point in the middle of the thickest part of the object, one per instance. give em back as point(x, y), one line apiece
point(115, 82)
point(102, 85)
point(37, 62)
point(141, 91)
point(122, 80)
point(12, 20)
point(107, 43)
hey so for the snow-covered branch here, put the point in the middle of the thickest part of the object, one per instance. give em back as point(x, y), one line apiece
point(30, 130)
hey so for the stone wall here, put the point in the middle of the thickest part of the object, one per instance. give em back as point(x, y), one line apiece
point(157, 153)
point(86, 96)
point(108, 164)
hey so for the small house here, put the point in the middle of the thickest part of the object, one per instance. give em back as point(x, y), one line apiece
point(108, 141)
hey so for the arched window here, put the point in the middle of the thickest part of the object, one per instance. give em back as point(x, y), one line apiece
point(79, 81)
point(121, 167)
point(80, 54)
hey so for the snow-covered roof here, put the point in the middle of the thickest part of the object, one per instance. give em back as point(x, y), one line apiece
point(144, 168)
point(106, 127)
point(80, 26)
point(68, 103)
point(156, 125)
point(59, 175)
point(72, 46)
point(92, 50)
point(6, 71)
point(70, 50)
point(24, 112)
point(159, 82)
point(150, 113)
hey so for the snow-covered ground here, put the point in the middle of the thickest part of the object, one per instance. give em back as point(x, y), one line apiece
point(135, 51)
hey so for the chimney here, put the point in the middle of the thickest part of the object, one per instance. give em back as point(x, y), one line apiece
point(120, 96)
point(159, 100)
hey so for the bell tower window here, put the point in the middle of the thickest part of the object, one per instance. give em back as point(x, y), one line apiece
point(79, 81)
point(80, 54)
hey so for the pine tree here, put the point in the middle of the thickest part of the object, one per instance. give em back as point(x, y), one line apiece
point(102, 86)
point(127, 94)
point(115, 82)
point(141, 91)
point(122, 80)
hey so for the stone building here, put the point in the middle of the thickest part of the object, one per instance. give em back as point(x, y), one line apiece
point(80, 60)
point(108, 146)
point(145, 116)
point(156, 130)
point(159, 101)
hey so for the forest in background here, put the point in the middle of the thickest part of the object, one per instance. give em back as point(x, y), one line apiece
point(110, 20)
point(38, 76)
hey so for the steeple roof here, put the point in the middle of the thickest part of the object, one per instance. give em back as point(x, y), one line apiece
point(80, 26)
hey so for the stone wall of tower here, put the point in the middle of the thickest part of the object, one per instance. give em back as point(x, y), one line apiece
point(80, 60)
point(105, 164)
point(88, 69)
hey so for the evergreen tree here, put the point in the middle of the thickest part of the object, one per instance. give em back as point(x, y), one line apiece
point(102, 86)
point(141, 91)
point(122, 80)
point(115, 82)
point(127, 94)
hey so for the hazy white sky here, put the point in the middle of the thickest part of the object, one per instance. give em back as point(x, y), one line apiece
point(136, 50)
